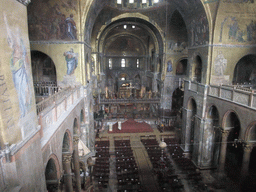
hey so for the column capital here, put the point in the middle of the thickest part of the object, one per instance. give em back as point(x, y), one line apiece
point(66, 157)
point(75, 140)
point(248, 147)
point(225, 132)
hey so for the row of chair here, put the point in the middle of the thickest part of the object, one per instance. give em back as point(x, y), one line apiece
point(126, 167)
point(162, 165)
point(193, 175)
point(101, 167)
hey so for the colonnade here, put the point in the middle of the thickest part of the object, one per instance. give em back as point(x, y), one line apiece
point(67, 159)
point(247, 149)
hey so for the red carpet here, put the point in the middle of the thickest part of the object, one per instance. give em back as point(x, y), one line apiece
point(131, 126)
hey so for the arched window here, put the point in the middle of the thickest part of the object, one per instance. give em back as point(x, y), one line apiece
point(123, 63)
point(138, 63)
point(110, 63)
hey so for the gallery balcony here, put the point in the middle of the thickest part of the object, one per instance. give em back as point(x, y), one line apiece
point(102, 99)
point(242, 95)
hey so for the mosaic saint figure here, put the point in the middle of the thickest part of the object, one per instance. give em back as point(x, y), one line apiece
point(220, 64)
point(169, 66)
point(19, 64)
point(71, 27)
point(72, 61)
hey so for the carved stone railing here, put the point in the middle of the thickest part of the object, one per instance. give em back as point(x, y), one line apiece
point(51, 109)
point(128, 100)
point(195, 87)
point(239, 94)
point(235, 93)
point(53, 99)
point(46, 90)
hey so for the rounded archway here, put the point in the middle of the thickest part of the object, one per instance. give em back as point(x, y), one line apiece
point(213, 135)
point(66, 161)
point(190, 128)
point(43, 69)
point(181, 68)
point(197, 69)
point(245, 71)
point(251, 141)
point(52, 176)
point(66, 143)
point(76, 129)
point(177, 101)
point(234, 150)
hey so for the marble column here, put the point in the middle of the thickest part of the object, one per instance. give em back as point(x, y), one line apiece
point(223, 149)
point(66, 161)
point(76, 163)
point(187, 123)
point(246, 159)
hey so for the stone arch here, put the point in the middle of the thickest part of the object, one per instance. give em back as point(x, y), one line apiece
point(197, 68)
point(190, 124)
point(245, 70)
point(145, 24)
point(135, 16)
point(82, 116)
point(67, 148)
point(181, 67)
point(250, 139)
point(67, 142)
point(44, 75)
point(52, 173)
point(226, 121)
point(43, 68)
point(234, 151)
point(213, 135)
point(76, 128)
point(177, 100)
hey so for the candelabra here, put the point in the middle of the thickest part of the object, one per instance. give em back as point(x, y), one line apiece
point(239, 142)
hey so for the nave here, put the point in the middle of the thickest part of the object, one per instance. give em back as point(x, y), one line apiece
point(150, 162)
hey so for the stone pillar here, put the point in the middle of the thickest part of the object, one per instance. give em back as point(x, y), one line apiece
point(76, 163)
point(187, 129)
point(246, 159)
point(66, 161)
point(154, 83)
point(223, 149)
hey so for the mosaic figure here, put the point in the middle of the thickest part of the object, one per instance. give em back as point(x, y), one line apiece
point(19, 66)
point(72, 61)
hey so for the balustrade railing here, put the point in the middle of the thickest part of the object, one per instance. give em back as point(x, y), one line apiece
point(50, 109)
point(55, 99)
point(46, 90)
point(103, 100)
point(241, 94)
point(235, 93)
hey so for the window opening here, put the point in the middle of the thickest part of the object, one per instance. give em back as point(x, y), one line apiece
point(123, 63)
point(110, 63)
